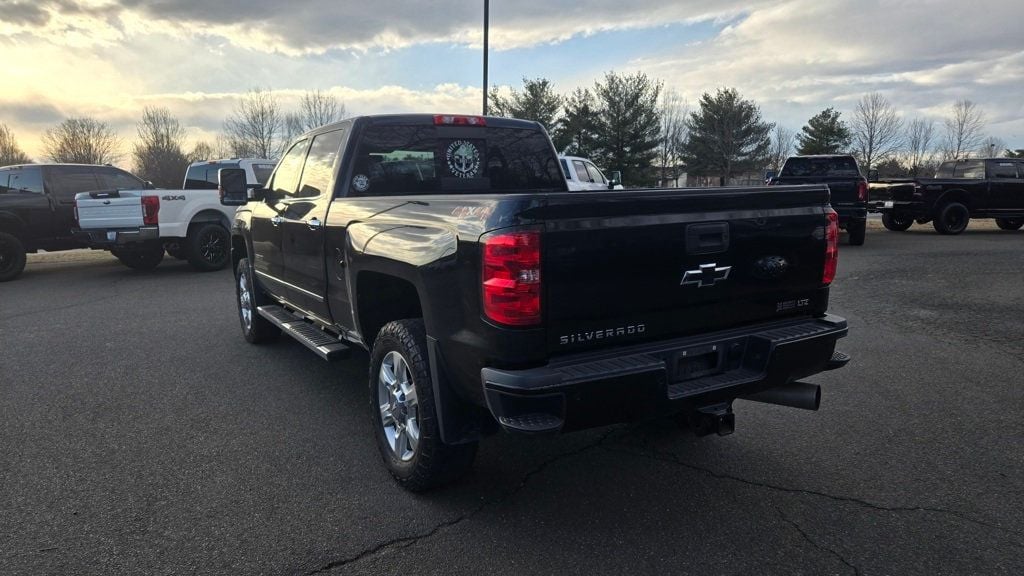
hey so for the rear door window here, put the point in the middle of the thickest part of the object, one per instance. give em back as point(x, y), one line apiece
point(319, 171)
point(396, 159)
point(835, 166)
point(286, 179)
point(23, 180)
point(1004, 170)
point(262, 173)
point(114, 179)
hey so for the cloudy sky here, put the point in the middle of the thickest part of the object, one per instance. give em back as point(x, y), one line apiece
point(110, 58)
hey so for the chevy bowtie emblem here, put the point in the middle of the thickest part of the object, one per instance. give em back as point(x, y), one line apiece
point(706, 275)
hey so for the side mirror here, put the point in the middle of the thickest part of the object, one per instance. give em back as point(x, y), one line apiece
point(769, 175)
point(232, 187)
point(615, 180)
point(149, 185)
point(872, 175)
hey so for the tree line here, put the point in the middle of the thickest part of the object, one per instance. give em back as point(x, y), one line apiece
point(625, 122)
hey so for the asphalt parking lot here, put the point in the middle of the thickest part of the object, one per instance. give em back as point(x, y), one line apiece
point(139, 434)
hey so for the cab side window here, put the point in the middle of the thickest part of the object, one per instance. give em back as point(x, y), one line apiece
point(23, 180)
point(113, 179)
point(595, 174)
point(1003, 170)
point(581, 171)
point(285, 181)
point(319, 170)
point(66, 181)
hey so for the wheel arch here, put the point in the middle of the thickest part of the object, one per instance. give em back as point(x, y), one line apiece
point(381, 298)
point(954, 195)
point(210, 215)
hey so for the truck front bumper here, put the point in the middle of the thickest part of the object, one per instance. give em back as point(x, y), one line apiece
point(106, 238)
point(661, 378)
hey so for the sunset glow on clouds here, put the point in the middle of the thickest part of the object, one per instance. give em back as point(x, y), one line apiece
point(109, 59)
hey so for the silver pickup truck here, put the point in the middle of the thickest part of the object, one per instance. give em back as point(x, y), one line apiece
point(139, 226)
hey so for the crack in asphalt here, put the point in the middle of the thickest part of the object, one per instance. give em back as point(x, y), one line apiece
point(672, 458)
point(406, 541)
point(820, 547)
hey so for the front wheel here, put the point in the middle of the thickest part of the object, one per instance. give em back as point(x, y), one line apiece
point(145, 257)
point(952, 219)
point(402, 411)
point(208, 246)
point(1009, 223)
point(12, 257)
point(896, 222)
point(255, 328)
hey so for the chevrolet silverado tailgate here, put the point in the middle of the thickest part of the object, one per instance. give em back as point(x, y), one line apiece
point(626, 266)
point(109, 209)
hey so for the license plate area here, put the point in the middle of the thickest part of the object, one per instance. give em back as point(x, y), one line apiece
point(697, 362)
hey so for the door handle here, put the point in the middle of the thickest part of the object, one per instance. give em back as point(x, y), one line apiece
point(314, 224)
point(276, 220)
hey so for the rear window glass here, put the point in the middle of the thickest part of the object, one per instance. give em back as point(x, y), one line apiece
point(204, 176)
point(262, 172)
point(1004, 169)
point(824, 166)
point(26, 180)
point(965, 169)
point(397, 159)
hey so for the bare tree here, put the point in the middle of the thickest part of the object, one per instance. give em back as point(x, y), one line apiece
point(255, 126)
point(991, 147)
point(673, 111)
point(202, 151)
point(318, 108)
point(783, 142)
point(876, 130)
point(964, 130)
point(10, 152)
point(83, 141)
point(919, 143)
point(158, 154)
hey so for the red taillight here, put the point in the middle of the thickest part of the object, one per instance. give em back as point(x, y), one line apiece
point(150, 210)
point(831, 247)
point(862, 191)
point(511, 278)
point(449, 120)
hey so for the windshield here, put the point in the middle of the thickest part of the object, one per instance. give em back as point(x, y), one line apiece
point(405, 159)
point(821, 166)
point(962, 169)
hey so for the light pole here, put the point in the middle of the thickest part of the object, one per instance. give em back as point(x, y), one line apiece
point(487, 17)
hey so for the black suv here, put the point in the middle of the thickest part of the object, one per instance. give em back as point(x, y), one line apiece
point(37, 207)
point(848, 188)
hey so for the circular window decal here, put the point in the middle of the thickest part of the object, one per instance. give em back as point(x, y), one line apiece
point(463, 159)
point(361, 183)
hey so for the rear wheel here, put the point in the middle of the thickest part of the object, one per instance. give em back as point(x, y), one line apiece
point(857, 231)
point(1009, 223)
point(12, 257)
point(952, 218)
point(255, 328)
point(896, 222)
point(208, 246)
point(402, 411)
point(145, 257)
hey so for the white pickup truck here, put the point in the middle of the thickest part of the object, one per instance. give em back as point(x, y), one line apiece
point(582, 174)
point(139, 226)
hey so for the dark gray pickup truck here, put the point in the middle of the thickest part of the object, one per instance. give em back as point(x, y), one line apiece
point(492, 298)
point(848, 188)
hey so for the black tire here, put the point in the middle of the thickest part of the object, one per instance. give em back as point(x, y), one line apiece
point(857, 231)
point(896, 222)
point(208, 246)
point(12, 257)
point(1009, 223)
point(140, 258)
point(952, 218)
point(427, 462)
point(255, 328)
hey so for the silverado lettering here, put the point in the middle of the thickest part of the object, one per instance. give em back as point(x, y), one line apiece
point(600, 334)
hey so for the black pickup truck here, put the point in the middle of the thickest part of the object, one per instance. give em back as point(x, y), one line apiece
point(847, 186)
point(492, 298)
point(961, 190)
point(37, 207)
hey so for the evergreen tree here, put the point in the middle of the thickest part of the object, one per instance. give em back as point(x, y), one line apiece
point(538, 101)
point(824, 133)
point(576, 132)
point(727, 136)
point(628, 126)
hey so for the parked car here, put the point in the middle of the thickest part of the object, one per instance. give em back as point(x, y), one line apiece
point(37, 203)
point(492, 299)
point(138, 226)
point(961, 190)
point(847, 186)
point(582, 174)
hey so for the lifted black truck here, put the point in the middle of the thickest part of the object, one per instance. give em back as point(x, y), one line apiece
point(492, 298)
point(960, 191)
point(848, 188)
